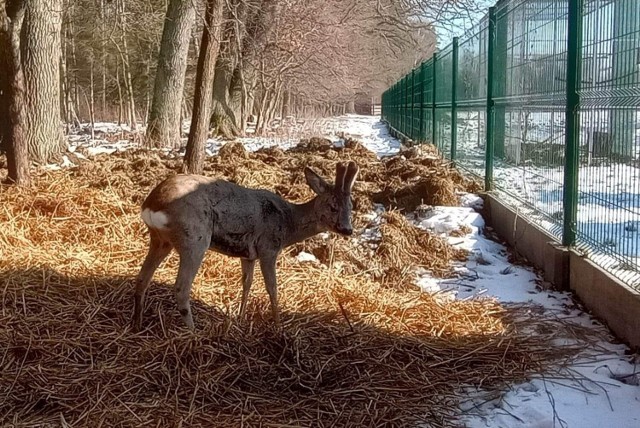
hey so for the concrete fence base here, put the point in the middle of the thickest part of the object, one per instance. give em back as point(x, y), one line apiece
point(405, 140)
point(609, 299)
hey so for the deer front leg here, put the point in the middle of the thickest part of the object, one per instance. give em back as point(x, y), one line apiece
point(190, 260)
point(268, 268)
point(248, 267)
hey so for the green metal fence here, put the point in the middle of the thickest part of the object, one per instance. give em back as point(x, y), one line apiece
point(541, 99)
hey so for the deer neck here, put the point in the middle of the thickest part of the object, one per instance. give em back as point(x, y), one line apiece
point(305, 222)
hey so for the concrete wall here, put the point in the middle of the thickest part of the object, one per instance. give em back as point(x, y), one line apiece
point(400, 136)
point(536, 245)
point(606, 297)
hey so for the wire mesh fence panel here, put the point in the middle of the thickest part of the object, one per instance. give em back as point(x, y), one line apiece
point(443, 100)
point(529, 90)
point(471, 99)
point(608, 225)
point(427, 94)
point(554, 126)
point(403, 105)
point(416, 103)
point(443, 131)
point(406, 106)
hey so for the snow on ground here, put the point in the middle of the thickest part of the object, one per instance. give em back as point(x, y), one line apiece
point(599, 390)
point(367, 129)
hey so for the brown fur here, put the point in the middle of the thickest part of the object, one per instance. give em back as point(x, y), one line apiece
point(255, 225)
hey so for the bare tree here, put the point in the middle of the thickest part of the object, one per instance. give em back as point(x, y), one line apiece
point(128, 58)
point(163, 128)
point(40, 59)
point(12, 111)
point(209, 48)
point(324, 55)
point(238, 14)
point(126, 65)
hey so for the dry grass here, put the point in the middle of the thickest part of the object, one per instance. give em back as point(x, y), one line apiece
point(354, 351)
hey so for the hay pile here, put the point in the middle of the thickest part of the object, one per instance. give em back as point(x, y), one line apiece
point(354, 351)
point(132, 174)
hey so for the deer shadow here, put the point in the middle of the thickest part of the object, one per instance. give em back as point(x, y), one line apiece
point(69, 354)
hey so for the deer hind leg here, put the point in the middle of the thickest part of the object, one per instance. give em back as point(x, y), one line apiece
point(191, 256)
point(268, 268)
point(248, 267)
point(158, 251)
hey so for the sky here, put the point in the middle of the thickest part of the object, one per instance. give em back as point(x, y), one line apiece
point(450, 28)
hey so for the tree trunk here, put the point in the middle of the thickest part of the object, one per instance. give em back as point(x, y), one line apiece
point(202, 100)
point(164, 119)
point(274, 100)
point(40, 57)
point(120, 101)
point(238, 96)
point(223, 117)
point(64, 85)
point(297, 111)
point(147, 96)
point(286, 101)
point(242, 85)
point(92, 103)
point(103, 57)
point(126, 69)
point(12, 112)
point(228, 82)
point(74, 78)
point(262, 110)
point(71, 114)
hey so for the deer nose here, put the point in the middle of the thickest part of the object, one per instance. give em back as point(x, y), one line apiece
point(345, 231)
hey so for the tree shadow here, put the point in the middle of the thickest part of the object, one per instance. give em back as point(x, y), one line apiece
point(70, 357)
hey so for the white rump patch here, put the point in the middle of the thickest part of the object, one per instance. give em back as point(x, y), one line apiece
point(155, 219)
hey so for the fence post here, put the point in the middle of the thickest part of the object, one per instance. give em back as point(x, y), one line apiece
point(411, 134)
point(405, 112)
point(572, 122)
point(404, 105)
point(405, 131)
point(488, 162)
point(394, 106)
point(454, 106)
point(423, 131)
point(434, 127)
point(394, 110)
point(401, 105)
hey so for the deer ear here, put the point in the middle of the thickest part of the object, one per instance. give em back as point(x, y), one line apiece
point(350, 176)
point(317, 183)
point(341, 170)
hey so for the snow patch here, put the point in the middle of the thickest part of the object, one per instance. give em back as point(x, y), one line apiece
point(304, 257)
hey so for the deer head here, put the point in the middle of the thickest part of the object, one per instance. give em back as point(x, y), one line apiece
point(333, 203)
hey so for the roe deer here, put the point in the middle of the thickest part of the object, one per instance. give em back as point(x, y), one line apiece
point(192, 214)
